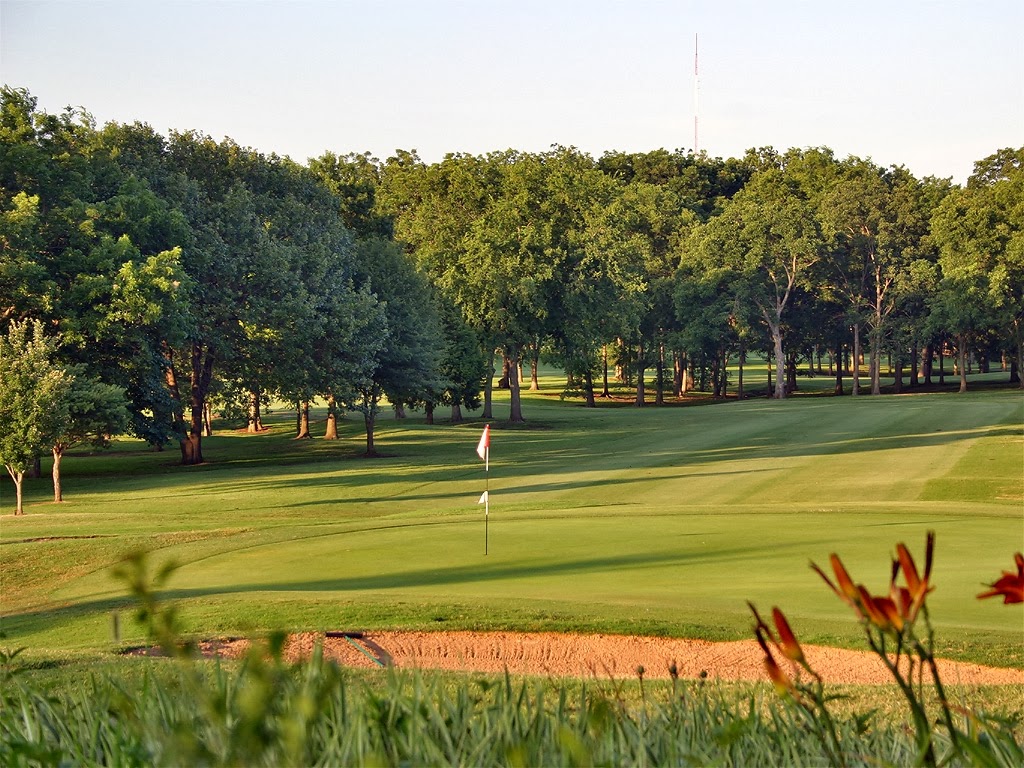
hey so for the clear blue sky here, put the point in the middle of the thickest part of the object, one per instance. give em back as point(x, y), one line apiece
point(930, 84)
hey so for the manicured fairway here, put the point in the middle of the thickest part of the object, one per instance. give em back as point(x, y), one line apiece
point(616, 519)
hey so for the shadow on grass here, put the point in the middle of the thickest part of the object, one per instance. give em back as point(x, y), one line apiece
point(49, 620)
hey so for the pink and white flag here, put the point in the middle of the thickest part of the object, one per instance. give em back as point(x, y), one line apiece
point(483, 448)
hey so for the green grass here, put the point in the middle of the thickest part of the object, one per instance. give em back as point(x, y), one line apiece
point(647, 520)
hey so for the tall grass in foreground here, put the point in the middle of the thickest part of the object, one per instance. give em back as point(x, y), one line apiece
point(266, 713)
point(263, 711)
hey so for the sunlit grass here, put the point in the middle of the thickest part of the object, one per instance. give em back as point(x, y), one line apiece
point(661, 521)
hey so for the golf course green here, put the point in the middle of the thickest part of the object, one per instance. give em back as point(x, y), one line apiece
point(615, 519)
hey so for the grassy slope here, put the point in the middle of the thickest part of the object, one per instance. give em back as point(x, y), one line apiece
point(615, 519)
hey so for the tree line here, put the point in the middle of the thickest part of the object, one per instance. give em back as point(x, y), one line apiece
point(154, 277)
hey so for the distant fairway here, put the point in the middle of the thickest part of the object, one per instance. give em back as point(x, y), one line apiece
point(616, 519)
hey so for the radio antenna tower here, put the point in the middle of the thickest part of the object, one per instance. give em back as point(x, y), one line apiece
point(696, 97)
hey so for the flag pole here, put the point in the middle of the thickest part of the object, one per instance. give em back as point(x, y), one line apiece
point(487, 489)
point(487, 496)
point(483, 450)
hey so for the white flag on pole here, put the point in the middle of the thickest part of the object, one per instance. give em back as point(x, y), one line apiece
point(483, 498)
point(483, 448)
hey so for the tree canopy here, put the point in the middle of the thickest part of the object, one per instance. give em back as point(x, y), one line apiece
point(179, 272)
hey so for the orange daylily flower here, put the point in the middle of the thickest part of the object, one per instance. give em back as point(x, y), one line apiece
point(917, 584)
point(881, 611)
point(1009, 585)
point(846, 589)
point(780, 679)
point(787, 640)
point(786, 644)
point(782, 682)
point(900, 608)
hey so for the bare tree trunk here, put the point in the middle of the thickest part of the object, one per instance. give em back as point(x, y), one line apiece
point(961, 344)
point(659, 395)
point(875, 363)
point(1017, 366)
point(331, 431)
point(506, 372)
point(855, 362)
point(428, 409)
point(177, 411)
point(605, 392)
point(780, 361)
point(371, 401)
point(58, 454)
point(456, 413)
point(640, 369)
point(588, 389)
point(515, 404)
point(207, 419)
point(926, 364)
point(202, 370)
point(255, 415)
point(303, 428)
point(370, 420)
point(534, 363)
point(739, 379)
point(19, 479)
point(489, 385)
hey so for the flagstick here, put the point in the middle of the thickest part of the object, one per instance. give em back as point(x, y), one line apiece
point(487, 494)
point(483, 450)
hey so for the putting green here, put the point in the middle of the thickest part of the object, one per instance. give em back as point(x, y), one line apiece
point(653, 520)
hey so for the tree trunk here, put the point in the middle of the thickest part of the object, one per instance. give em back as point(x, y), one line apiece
point(456, 413)
point(506, 372)
point(515, 405)
point(780, 360)
point(739, 378)
point(19, 479)
point(488, 386)
point(791, 386)
point(875, 365)
point(605, 392)
point(399, 410)
point(588, 388)
point(838, 365)
point(1017, 376)
point(897, 381)
point(659, 394)
point(914, 362)
point(207, 419)
point(942, 364)
point(534, 364)
point(202, 370)
point(370, 420)
point(177, 411)
point(855, 362)
point(331, 430)
point(58, 492)
point(961, 343)
point(926, 364)
point(640, 369)
point(303, 425)
point(428, 409)
point(255, 415)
